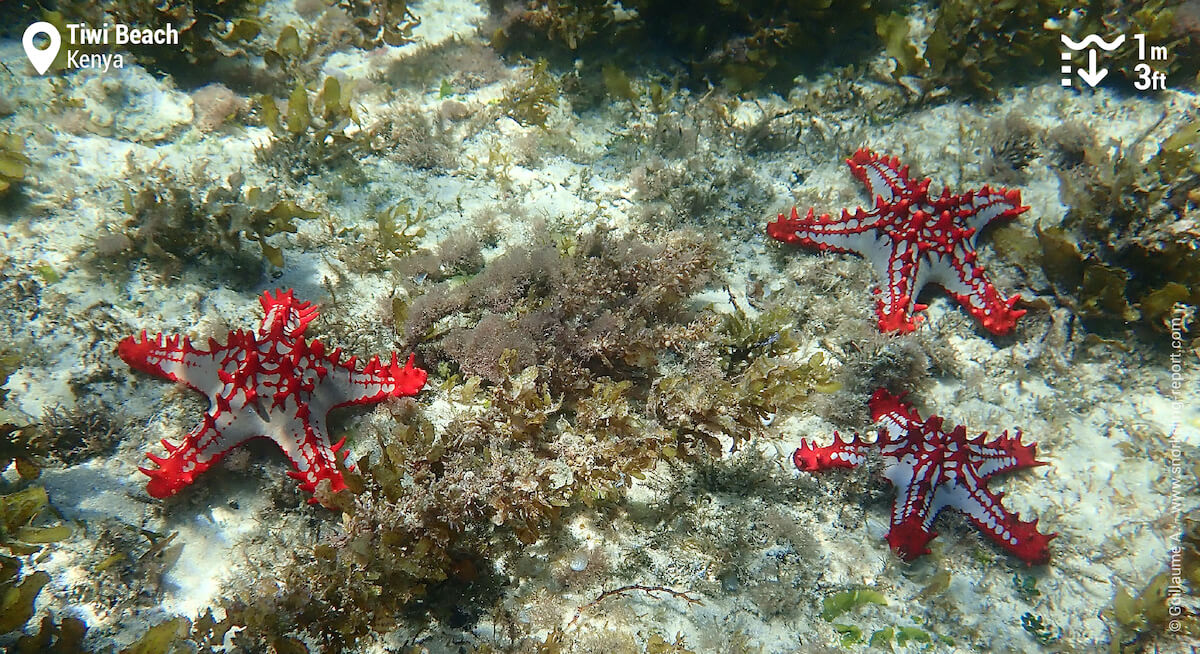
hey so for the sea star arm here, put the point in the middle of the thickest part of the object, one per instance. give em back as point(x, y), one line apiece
point(983, 509)
point(964, 277)
point(971, 288)
point(841, 454)
point(852, 232)
point(221, 430)
point(859, 233)
point(897, 415)
point(284, 315)
point(175, 359)
point(1002, 454)
point(1020, 538)
point(376, 381)
point(903, 275)
point(303, 439)
point(884, 177)
point(988, 204)
point(911, 471)
point(913, 509)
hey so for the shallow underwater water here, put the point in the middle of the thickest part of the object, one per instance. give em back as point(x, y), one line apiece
point(492, 213)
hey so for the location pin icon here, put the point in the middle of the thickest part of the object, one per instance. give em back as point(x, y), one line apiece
point(41, 59)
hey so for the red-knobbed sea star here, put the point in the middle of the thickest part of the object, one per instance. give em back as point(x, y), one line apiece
point(913, 239)
point(266, 384)
point(933, 469)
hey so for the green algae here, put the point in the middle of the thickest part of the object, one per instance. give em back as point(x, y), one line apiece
point(20, 536)
point(381, 22)
point(977, 46)
point(311, 136)
point(22, 446)
point(17, 513)
point(209, 31)
point(848, 634)
point(16, 600)
point(173, 223)
point(299, 118)
point(835, 605)
point(65, 637)
point(161, 638)
point(13, 162)
point(1123, 254)
point(227, 38)
point(980, 48)
point(530, 101)
point(659, 645)
point(396, 239)
point(893, 29)
point(1137, 617)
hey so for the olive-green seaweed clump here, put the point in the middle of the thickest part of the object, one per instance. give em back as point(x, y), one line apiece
point(1127, 248)
point(179, 634)
point(20, 446)
point(171, 223)
point(227, 39)
point(18, 594)
point(21, 533)
point(380, 22)
point(397, 232)
point(976, 46)
point(739, 44)
point(530, 100)
point(1138, 617)
point(391, 240)
point(10, 357)
point(13, 162)
point(310, 135)
point(65, 637)
point(1135, 618)
point(18, 513)
point(835, 605)
point(126, 566)
point(755, 377)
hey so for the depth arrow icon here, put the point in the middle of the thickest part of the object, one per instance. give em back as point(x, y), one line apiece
point(1092, 76)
